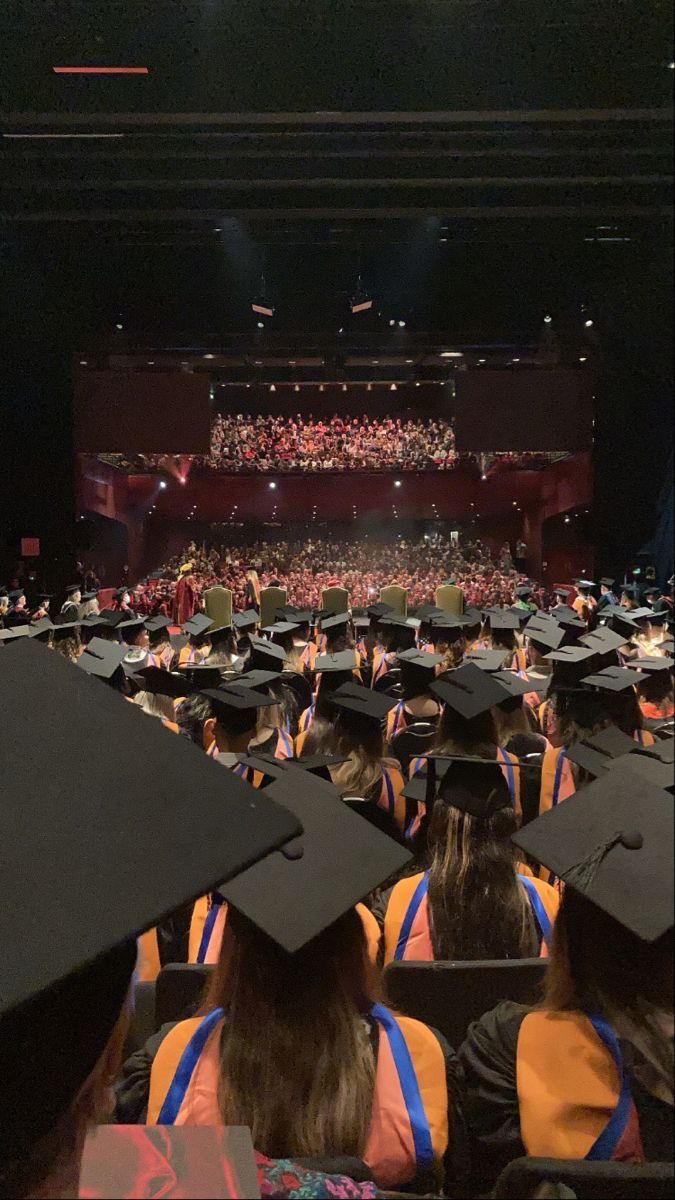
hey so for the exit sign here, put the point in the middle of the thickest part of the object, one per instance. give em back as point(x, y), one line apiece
point(30, 547)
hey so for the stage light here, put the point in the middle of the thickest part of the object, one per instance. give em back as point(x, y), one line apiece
point(547, 320)
point(369, 388)
point(272, 484)
point(296, 388)
point(151, 362)
point(393, 388)
point(392, 323)
point(162, 484)
point(482, 361)
point(182, 480)
point(515, 360)
point(418, 384)
point(397, 483)
point(583, 359)
point(588, 323)
point(401, 324)
point(567, 520)
point(261, 324)
point(344, 387)
point(83, 362)
point(452, 354)
point(321, 388)
point(483, 477)
point(273, 387)
point(118, 326)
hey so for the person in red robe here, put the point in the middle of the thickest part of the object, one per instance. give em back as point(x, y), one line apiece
point(185, 599)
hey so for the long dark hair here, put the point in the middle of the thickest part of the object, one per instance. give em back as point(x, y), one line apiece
point(477, 907)
point(361, 743)
point(477, 735)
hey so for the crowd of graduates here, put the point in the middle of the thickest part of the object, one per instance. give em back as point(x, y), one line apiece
point(473, 783)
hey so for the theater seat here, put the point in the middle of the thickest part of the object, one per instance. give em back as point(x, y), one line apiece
point(271, 598)
point(450, 995)
point(335, 600)
point(179, 989)
point(218, 605)
point(411, 741)
point(586, 1180)
point(397, 597)
point(390, 683)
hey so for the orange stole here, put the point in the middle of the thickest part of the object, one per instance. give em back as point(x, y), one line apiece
point(418, 945)
point(568, 1087)
point(391, 798)
point(148, 964)
point(557, 778)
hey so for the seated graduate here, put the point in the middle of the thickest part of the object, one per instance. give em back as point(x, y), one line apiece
point(244, 625)
point(331, 672)
point(222, 721)
point(136, 639)
point(418, 671)
point(655, 688)
point(271, 735)
point(198, 646)
point(160, 650)
point(398, 634)
point(518, 733)
point(223, 652)
point(355, 735)
point(335, 1074)
point(72, 914)
point(467, 726)
point(473, 901)
point(505, 625)
point(589, 1072)
point(66, 639)
point(618, 701)
point(158, 691)
point(448, 638)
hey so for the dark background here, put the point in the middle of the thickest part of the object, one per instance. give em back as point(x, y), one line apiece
point(65, 285)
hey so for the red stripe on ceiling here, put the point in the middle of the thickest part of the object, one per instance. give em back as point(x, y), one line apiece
point(100, 70)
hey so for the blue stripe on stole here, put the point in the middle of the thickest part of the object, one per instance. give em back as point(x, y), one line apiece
point(185, 1069)
point(285, 742)
point(419, 1125)
point(411, 912)
point(540, 914)
point(510, 773)
point(207, 931)
point(604, 1146)
point(562, 757)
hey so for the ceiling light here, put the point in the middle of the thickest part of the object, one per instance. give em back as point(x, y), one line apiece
point(83, 362)
point(296, 388)
point(151, 362)
point(392, 323)
point(401, 324)
point(273, 387)
point(418, 384)
point(397, 483)
point(272, 484)
point(344, 387)
point(547, 320)
point(583, 359)
point(118, 326)
point(409, 361)
point(217, 229)
point(209, 356)
point(162, 484)
point(393, 388)
point(588, 323)
point(452, 354)
point(369, 388)
point(482, 361)
point(483, 476)
point(515, 360)
point(261, 324)
point(321, 387)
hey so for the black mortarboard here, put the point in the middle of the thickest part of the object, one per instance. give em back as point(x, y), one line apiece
point(297, 893)
point(318, 764)
point(334, 622)
point(613, 842)
point(97, 857)
point(197, 624)
point(122, 591)
point(487, 660)
point(418, 670)
point(44, 625)
point(570, 654)
point(369, 705)
point(524, 590)
point(642, 614)
point(301, 616)
point(345, 660)
point(470, 784)
point(516, 685)
point(597, 753)
point(613, 679)
point(504, 618)
point(72, 588)
point(86, 596)
point(473, 616)
point(16, 632)
point(567, 617)
point(220, 636)
point(652, 664)
point(446, 629)
point(266, 656)
point(245, 620)
point(603, 640)
point(157, 624)
point(469, 691)
point(585, 584)
point(607, 582)
point(378, 611)
point(653, 590)
point(256, 679)
point(102, 659)
point(649, 767)
point(563, 591)
point(17, 594)
point(110, 617)
point(159, 682)
point(360, 622)
point(425, 612)
point(201, 675)
point(545, 633)
point(236, 706)
point(50, 596)
point(132, 625)
point(281, 627)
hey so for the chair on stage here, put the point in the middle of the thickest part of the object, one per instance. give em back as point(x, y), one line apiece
point(397, 597)
point(335, 600)
point(218, 605)
point(450, 599)
point(449, 996)
point(271, 600)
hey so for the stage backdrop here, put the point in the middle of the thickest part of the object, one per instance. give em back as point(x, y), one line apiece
point(135, 413)
point(545, 410)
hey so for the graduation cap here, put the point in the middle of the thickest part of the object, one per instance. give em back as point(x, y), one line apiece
point(652, 664)
point(235, 706)
point(15, 632)
point(318, 764)
point(266, 656)
point(642, 614)
point(109, 617)
point(86, 597)
point(280, 628)
point(547, 634)
point(469, 783)
point(524, 591)
point(367, 704)
point(469, 691)
point(97, 857)
point(377, 611)
point(401, 622)
point(613, 843)
point(71, 589)
point(44, 625)
point(613, 679)
point(472, 616)
point(597, 753)
point(648, 767)
point(159, 682)
point(42, 596)
point(360, 622)
point(418, 670)
point(297, 893)
point(570, 654)
point(245, 620)
point(157, 624)
point(487, 660)
point(567, 617)
point(17, 594)
point(446, 629)
point(132, 624)
point(200, 675)
point(197, 625)
point(563, 591)
point(607, 582)
point(585, 584)
point(345, 660)
point(257, 679)
point(335, 622)
point(102, 659)
point(301, 616)
point(504, 618)
point(603, 641)
point(648, 591)
point(518, 686)
point(425, 612)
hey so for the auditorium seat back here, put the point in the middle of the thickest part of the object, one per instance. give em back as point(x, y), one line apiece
point(390, 683)
point(271, 599)
point(335, 599)
point(218, 606)
point(450, 599)
point(524, 1177)
point(397, 597)
point(411, 741)
point(179, 990)
point(450, 995)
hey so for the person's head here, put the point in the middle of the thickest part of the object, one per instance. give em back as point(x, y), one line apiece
point(656, 687)
point(74, 594)
point(513, 717)
point(464, 735)
point(476, 906)
point(212, 717)
point(155, 705)
point(4, 603)
point(305, 1088)
point(68, 644)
